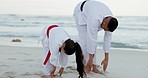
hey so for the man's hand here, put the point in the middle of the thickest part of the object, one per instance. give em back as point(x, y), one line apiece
point(105, 62)
point(95, 70)
point(50, 76)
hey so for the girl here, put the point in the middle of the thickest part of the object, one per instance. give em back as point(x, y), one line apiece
point(58, 45)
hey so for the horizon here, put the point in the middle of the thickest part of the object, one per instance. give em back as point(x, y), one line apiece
point(66, 7)
point(70, 15)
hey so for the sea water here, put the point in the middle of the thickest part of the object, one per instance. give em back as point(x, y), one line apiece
point(132, 31)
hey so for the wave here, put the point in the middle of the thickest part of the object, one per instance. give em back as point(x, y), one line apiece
point(19, 25)
point(124, 45)
point(132, 28)
point(113, 44)
point(22, 36)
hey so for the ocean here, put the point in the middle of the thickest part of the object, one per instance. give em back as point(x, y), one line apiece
point(132, 32)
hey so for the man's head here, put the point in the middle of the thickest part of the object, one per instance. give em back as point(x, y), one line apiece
point(109, 24)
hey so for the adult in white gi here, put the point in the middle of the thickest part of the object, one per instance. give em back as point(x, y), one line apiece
point(58, 45)
point(90, 17)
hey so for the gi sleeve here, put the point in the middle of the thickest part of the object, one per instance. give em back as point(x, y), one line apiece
point(107, 41)
point(54, 50)
point(63, 59)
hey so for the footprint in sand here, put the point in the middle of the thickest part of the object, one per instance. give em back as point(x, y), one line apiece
point(110, 75)
point(71, 68)
point(26, 74)
point(8, 75)
point(11, 58)
point(39, 73)
point(43, 76)
point(4, 65)
point(24, 53)
point(26, 60)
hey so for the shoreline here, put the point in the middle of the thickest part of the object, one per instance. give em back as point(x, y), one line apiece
point(37, 44)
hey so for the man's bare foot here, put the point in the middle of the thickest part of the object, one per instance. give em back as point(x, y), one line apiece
point(87, 69)
point(47, 76)
point(95, 70)
point(50, 77)
point(58, 77)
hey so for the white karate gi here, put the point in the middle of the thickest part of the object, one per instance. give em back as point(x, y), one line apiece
point(57, 36)
point(88, 24)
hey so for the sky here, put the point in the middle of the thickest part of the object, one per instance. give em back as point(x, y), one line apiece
point(66, 7)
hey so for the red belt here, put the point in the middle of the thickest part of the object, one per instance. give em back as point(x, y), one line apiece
point(48, 55)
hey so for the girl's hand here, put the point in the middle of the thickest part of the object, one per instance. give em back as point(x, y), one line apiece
point(60, 71)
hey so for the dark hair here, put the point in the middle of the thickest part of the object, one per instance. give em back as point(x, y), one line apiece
point(72, 47)
point(113, 23)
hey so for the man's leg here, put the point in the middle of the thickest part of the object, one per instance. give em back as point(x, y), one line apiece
point(95, 69)
point(82, 38)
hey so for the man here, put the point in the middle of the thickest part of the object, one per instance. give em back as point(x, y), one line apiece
point(91, 17)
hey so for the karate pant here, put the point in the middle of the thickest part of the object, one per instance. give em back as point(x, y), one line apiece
point(48, 66)
point(83, 36)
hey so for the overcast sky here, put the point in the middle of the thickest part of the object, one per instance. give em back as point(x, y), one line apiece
point(66, 7)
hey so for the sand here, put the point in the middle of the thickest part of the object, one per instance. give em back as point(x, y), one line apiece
point(18, 61)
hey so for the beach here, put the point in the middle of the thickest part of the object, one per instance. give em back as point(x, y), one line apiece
point(18, 60)
point(23, 58)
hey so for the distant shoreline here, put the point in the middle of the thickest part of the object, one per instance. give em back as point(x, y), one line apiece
point(71, 15)
point(39, 45)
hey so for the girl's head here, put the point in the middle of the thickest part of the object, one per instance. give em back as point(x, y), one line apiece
point(72, 47)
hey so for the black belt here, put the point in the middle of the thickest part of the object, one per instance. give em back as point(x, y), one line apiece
point(81, 8)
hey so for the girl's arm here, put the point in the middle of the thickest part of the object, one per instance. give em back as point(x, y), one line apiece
point(53, 70)
point(60, 71)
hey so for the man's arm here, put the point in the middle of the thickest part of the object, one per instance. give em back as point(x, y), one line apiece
point(106, 47)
